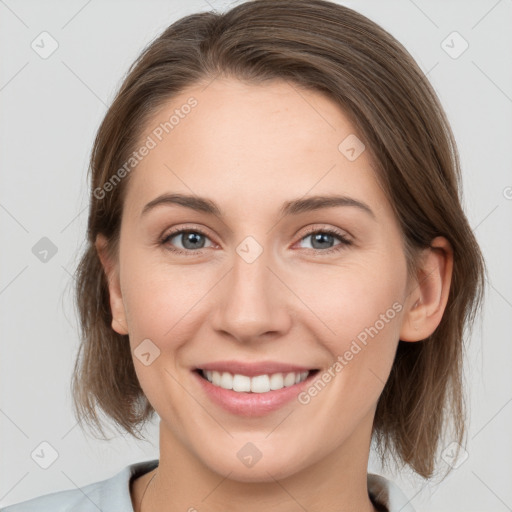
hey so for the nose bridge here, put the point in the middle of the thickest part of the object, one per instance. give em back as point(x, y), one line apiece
point(251, 303)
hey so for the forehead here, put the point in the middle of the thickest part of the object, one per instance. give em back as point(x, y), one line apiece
point(253, 145)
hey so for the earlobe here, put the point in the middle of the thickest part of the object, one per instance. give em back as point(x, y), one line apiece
point(114, 286)
point(427, 301)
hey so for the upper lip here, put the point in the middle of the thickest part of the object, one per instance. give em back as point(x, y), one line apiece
point(252, 369)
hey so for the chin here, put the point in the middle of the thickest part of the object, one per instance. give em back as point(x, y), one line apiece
point(265, 469)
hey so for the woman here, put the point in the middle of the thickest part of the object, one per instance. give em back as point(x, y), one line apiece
point(278, 265)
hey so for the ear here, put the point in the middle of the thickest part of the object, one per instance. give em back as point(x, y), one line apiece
point(426, 303)
point(112, 274)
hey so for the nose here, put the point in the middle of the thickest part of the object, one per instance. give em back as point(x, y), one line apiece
point(252, 301)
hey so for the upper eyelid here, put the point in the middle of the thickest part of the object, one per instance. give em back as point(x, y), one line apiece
point(177, 231)
point(337, 231)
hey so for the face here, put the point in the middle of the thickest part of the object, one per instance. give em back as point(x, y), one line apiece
point(254, 288)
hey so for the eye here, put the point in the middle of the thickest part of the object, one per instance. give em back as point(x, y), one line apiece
point(321, 240)
point(192, 240)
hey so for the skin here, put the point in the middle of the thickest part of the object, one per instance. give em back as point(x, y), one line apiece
point(250, 148)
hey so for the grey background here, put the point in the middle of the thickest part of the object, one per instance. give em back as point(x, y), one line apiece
point(50, 111)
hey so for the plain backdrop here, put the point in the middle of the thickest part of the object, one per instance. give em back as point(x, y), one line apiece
point(50, 110)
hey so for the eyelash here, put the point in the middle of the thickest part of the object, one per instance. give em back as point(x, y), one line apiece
point(330, 231)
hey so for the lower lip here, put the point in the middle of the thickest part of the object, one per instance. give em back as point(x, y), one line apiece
point(252, 404)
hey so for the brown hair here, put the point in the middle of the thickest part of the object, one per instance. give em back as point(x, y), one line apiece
point(324, 47)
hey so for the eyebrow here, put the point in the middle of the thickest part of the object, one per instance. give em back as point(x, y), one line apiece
point(293, 207)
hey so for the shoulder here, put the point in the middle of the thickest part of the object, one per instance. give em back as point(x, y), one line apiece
point(109, 495)
point(61, 501)
point(387, 495)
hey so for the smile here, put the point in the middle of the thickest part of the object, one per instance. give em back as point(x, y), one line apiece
point(251, 389)
point(257, 384)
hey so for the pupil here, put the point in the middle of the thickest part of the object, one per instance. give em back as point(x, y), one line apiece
point(192, 238)
point(322, 238)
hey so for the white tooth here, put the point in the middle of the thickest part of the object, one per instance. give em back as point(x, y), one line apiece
point(226, 381)
point(276, 381)
point(241, 383)
point(260, 384)
point(216, 378)
point(289, 379)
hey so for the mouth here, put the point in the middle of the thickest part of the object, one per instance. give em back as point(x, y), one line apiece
point(252, 388)
point(263, 383)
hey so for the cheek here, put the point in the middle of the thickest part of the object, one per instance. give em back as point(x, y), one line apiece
point(360, 315)
point(360, 311)
point(353, 297)
point(160, 304)
point(158, 298)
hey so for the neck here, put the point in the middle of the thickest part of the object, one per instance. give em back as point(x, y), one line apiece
point(336, 482)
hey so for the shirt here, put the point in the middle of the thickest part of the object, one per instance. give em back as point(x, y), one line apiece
point(113, 494)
